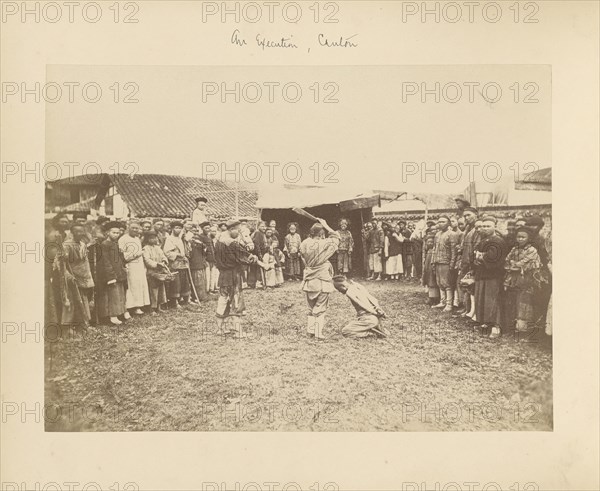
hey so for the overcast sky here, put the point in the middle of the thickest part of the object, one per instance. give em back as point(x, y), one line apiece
point(367, 135)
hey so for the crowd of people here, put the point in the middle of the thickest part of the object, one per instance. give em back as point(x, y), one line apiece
point(109, 271)
point(498, 281)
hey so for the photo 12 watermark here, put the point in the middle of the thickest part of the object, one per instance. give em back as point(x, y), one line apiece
point(70, 12)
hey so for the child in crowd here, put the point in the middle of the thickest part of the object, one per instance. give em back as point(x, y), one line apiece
point(344, 252)
point(272, 258)
point(156, 270)
point(291, 248)
point(279, 262)
point(429, 280)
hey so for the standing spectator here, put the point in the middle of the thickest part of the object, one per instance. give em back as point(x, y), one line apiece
point(366, 232)
point(272, 258)
point(536, 223)
point(453, 275)
point(490, 255)
point(291, 249)
point(279, 262)
point(79, 282)
point(198, 265)
point(199, 215)
point(230, 255)
point(417, 237)
point(159, 227)
point(244, 236)
point(179, 289)
point(444, 255)
point(461, 204)
point(407, 253)
point(521, 283)
point(156, 267)
point(112, 277)
point(212, 272)
point(273, 227)
point(260, 248)
point(393, 252)
point(93, 257)
point(345, 249)
point(146, 226)
point(466, 249)
point(375, 247)
point(428, 279)
point(130, 245)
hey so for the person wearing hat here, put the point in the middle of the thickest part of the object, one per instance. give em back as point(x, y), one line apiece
point(260, 248)
point(199, 214)
point(444, 259)
point(230, 257)
point(489, 260)
point(375, 243)
point(130, 245)
point(54, 284)
point(158, 225)
point(368, 311)
point(178, 290)
point(111, 277)
point(156, 266)
point(80, 283)
point(146, 226)
point(465, 251)
point(461, 204)
point(291, 249)
point(522, 267)
point(208, 251)
point(318, 274)
point(511, 231)
point(344, 253)
point(80, 217)
point(536, 223)
point(196, 247)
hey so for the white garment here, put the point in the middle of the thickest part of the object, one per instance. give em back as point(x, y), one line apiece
point(137, 294)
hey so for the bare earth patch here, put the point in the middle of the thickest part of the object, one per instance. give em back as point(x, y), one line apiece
point(172, 373)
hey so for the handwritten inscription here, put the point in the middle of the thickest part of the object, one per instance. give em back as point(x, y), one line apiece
point(264, 42)
point(339, 43)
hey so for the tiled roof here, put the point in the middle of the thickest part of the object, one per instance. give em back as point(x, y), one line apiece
point(157, 195)
point(92, 179)
point(540, 176)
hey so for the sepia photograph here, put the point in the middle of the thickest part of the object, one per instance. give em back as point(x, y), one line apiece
point(303, 245)
point(281, 294)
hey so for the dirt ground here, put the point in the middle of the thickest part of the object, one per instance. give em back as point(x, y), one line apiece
point(173, 373)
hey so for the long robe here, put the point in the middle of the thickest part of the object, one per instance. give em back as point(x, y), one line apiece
point(153, 257)
point(137, 294)
point(80, 284)
point(291, 247)
point(110, 266)
point(489, 276)
point(522, 264)
point(175, 251)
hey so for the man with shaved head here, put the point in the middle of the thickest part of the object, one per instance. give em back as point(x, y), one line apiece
point(315, 252)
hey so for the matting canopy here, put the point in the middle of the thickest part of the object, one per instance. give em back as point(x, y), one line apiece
point(308, 197)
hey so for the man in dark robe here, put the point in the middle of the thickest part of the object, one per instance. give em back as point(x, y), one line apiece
point(490, 255)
